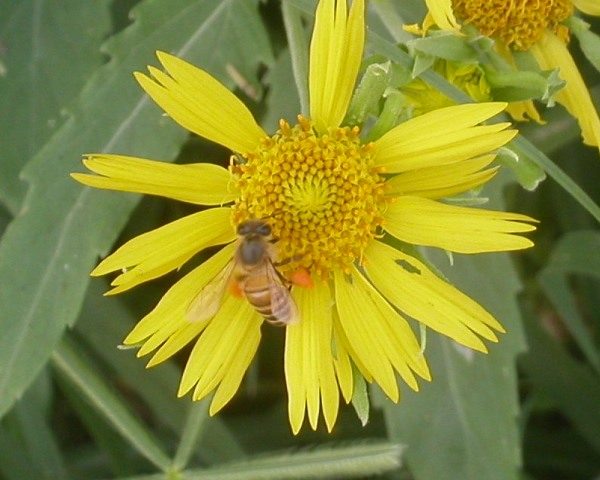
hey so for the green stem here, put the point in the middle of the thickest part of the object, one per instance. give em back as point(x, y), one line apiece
point(197, 415)
point(559, 176)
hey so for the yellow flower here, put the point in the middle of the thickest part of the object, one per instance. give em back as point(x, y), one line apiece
point(535, 26)
point(328, 201)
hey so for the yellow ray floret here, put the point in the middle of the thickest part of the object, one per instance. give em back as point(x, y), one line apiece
point(443, 15)
point(444, 180)
point(422, 221)
point(441, 137)
point(410, 286)
point(309, 369)
point(200, 103)
point(169, 316)
point(167, 248)
point(346, 348)
point(369, 346)
point(523, 111)
point(550, 52)
point(223, 353)
point(341, 361)
point(379, 337)
point(399, 341)
point(199, 183)
point(178, 339)
point(335, 55)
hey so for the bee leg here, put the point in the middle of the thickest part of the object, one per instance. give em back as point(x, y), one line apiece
point(236, 288)
point(287, 260)
point(301, 277)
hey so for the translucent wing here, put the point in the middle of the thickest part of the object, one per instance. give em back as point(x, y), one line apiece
point(283, 307)
point(206, 304)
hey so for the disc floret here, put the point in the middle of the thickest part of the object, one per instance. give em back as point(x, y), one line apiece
point(321, 193)
point(518, 23)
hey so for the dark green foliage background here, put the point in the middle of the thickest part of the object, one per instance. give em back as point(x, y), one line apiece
point(72, 405)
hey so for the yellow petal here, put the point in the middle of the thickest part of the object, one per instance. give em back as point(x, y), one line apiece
point(443, 15)
point(412, 288)
point(421, 221)
point(523, 111)
point(402, 346)
point(591, 7)
point(235, 323)
point(200, 103)
point(550, 52)
point(443, 136)
point(309, 368)
point(239, 363)
point(179, 339)
point(341, 338)
point(199, 183)
point(443, 180)
point(335, 55)
point(159, 251)
point(170, 311)
point(358, 320)
point(294, 377)
point(341, 361)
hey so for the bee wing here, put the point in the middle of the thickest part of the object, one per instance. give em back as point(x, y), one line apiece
point(206, 304)
point(283, 307)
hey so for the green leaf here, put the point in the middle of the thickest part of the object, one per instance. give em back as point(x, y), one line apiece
point(394, 109)
point(575, 253)
point(119, 456)
point(528, 173)
point(282, 100)
point(463, 425)
point(358, 460)
point(47, 52)
point(570, 384)
point(307, 7)
point(515, 85)
point(104, 323)
point(48, 250)
point(553, 452)
point(360, 396)
point(368, 93)
point(77, 370)
point(588, 40)
point(422, 63)
point(298, 49)
point(5, 218)
point(354, 461)
point(28, 447)
point(444, 45)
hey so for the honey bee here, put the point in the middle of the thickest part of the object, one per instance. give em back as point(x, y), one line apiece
point(252, 273)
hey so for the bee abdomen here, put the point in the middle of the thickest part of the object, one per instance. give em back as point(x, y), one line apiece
point(260, 298)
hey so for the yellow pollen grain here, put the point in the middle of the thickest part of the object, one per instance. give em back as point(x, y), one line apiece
point(321, 195)
point(518, 23)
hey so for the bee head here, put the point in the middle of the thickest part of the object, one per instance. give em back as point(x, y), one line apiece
point(254, 227)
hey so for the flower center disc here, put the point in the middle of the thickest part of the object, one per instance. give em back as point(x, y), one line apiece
point(518, 23)
point(320, 194)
